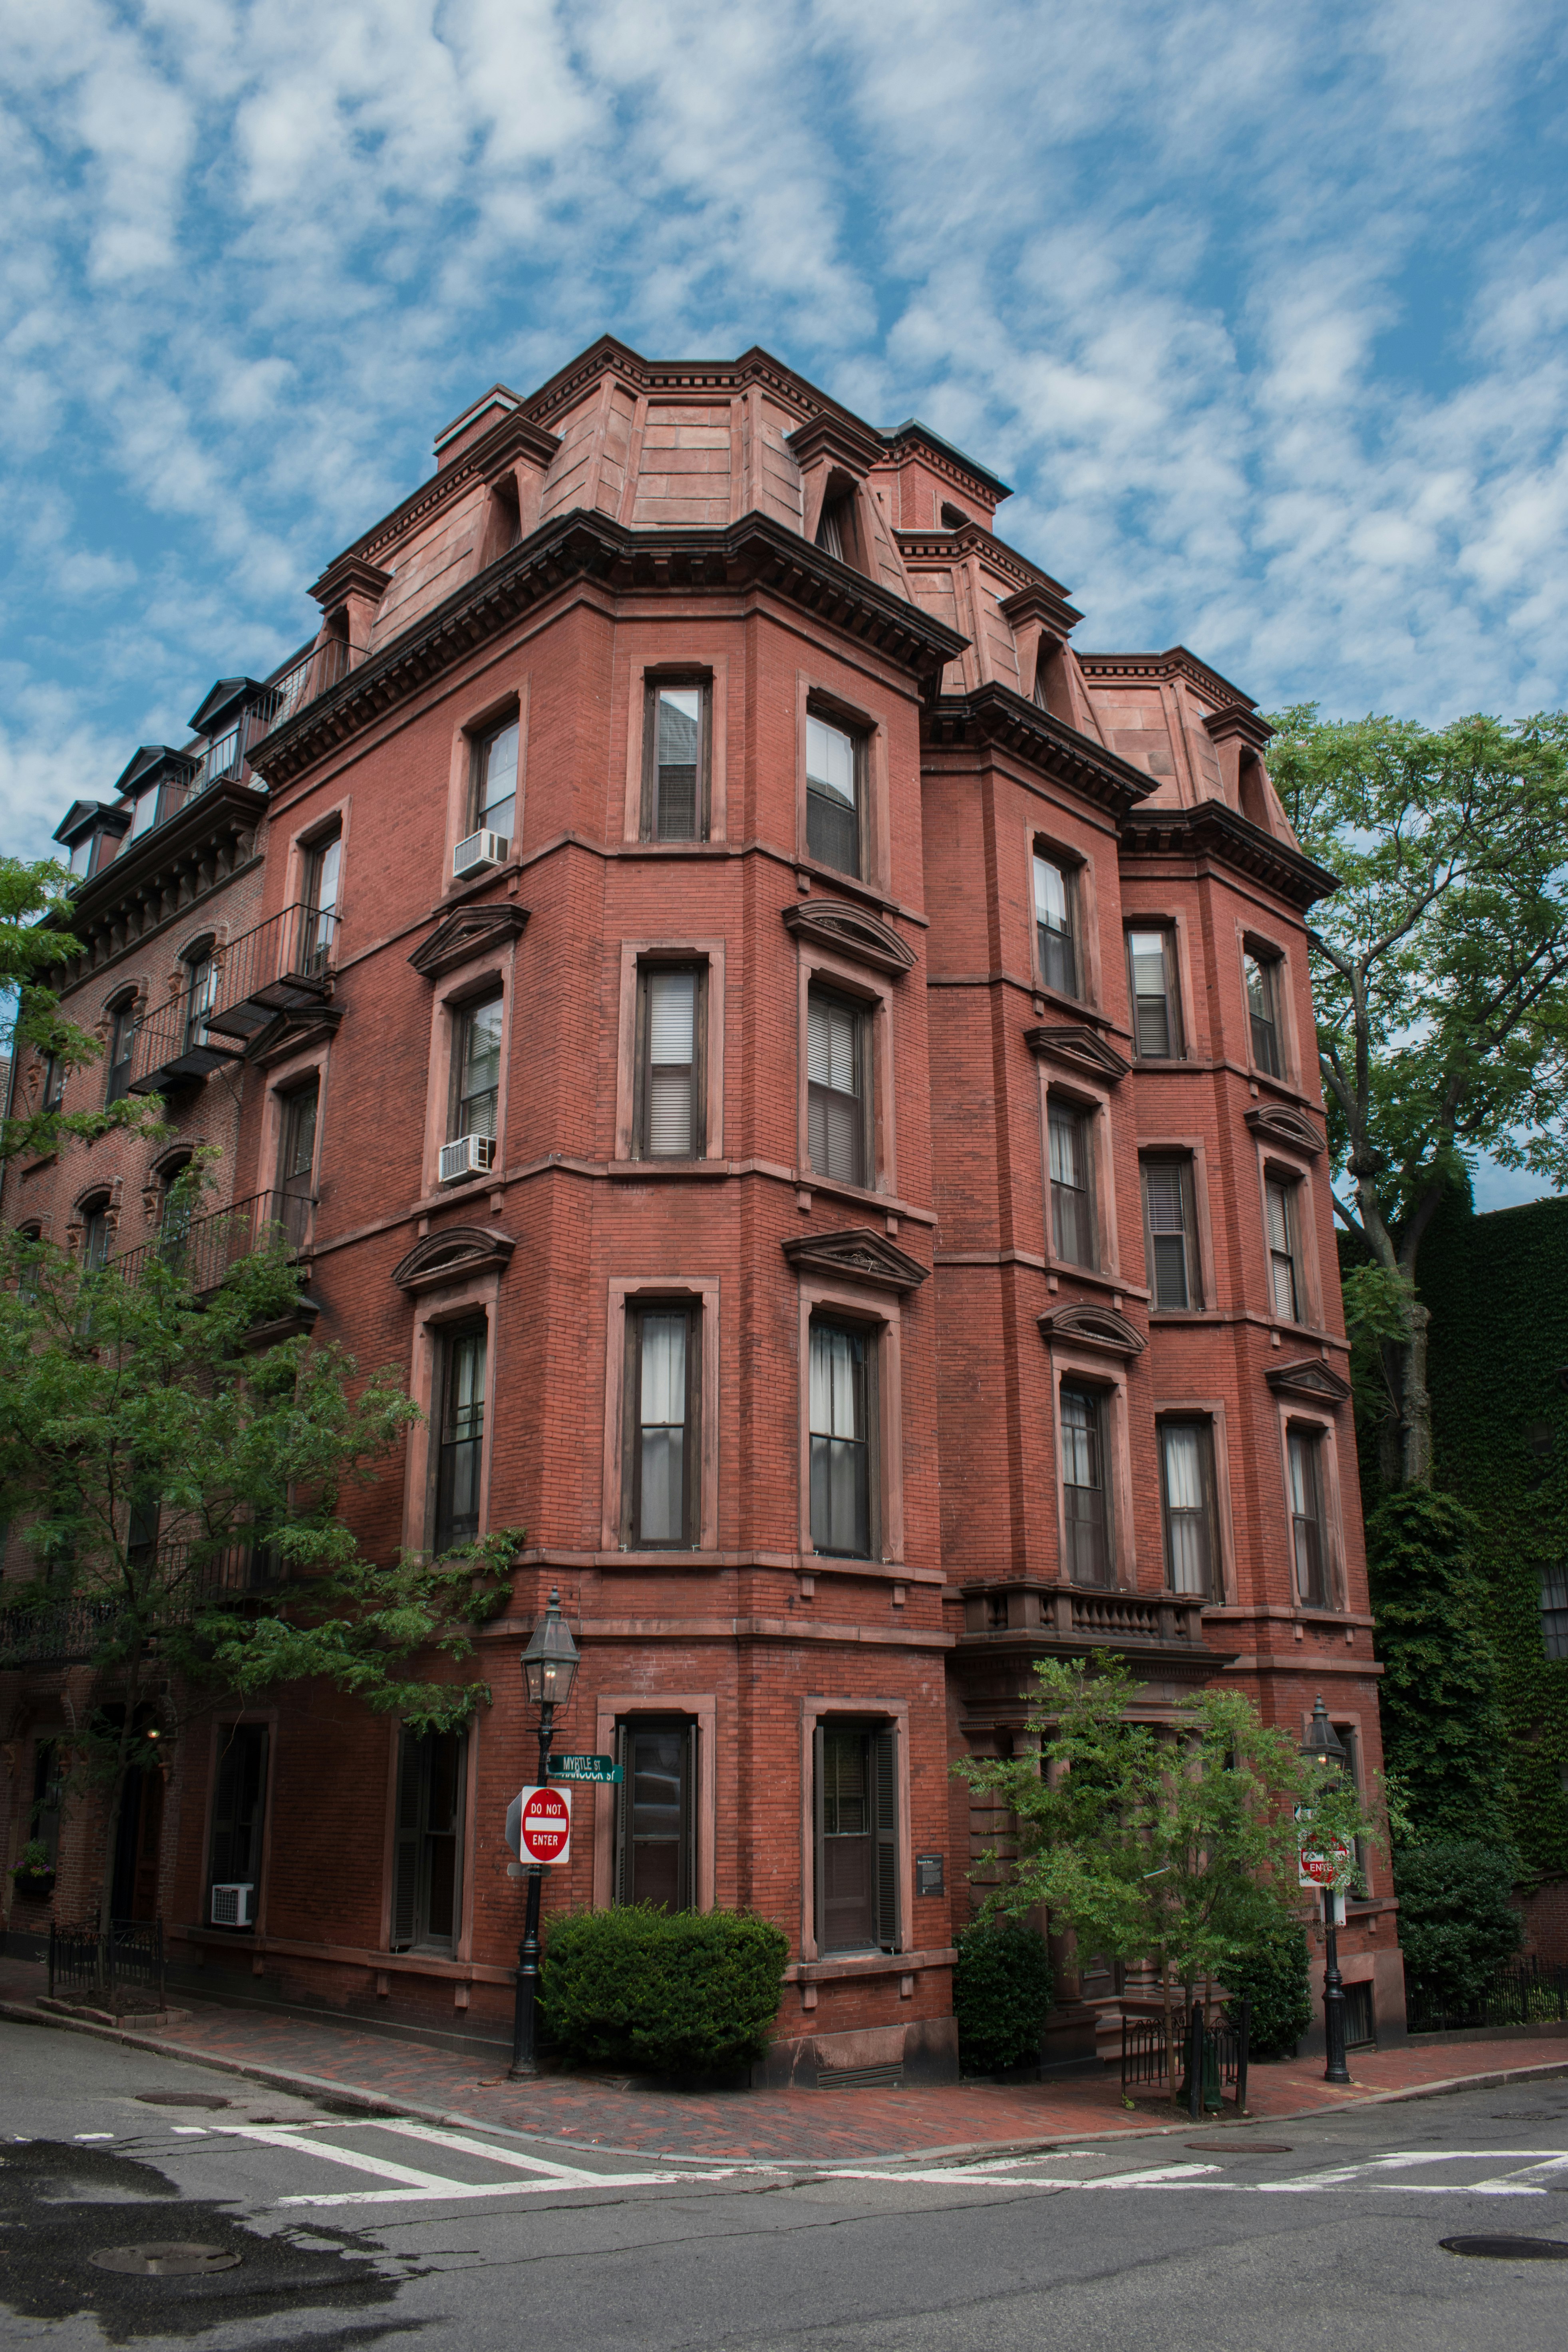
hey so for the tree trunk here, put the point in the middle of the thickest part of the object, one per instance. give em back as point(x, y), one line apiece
point(1415, 1405)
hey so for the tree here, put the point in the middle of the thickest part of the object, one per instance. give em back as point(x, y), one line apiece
point(1440, 970)
point(1178, 1848)
point(33, 943)
point(179, 1489)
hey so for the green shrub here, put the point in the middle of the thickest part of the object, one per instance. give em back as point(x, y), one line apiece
point(1001, 1993)
point(1275, 1974)
point(1455, 1922)
point(683, 1992)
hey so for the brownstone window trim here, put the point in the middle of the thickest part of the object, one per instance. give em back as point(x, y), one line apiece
point(1285, 1185)
point(859, 1864)
point(221, 1731)
point(1322, 1436)
point(437, 1313)
point(816, 1711)
point(1270, 959)
point(641, 678)
point(463, 1941)
point(817, 699)
point(463, 1414)
point(501, 709)
point(1073, 1370)
point(1072, 1174)
point(1182, 1163)
point(481, 733)
point(683, 1733)
point(461, 1014)
point(120, 1047)
point(432, 1819)
point(1189, 1505)
point(1211, 1412)
point(627, 1295)
point(1094, 1110)
point(656, 679)
point(1144, 1017)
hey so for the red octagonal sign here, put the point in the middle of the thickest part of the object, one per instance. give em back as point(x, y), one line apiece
point(539, 1825)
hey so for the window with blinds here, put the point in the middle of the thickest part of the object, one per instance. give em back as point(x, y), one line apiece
point(1170, 1233)
point(1056, 925)
point(675, 761)
point(1284, 1270)
point(475, 1089)
point(1085, 1516)
point(837, 1087)
point(1072, 1201)
point(669, 1121)
point(493, 795)
point(835, 778)
point(1307, 1533)
point(460, 1436)
point(427, 1843)
point(1262, 1008)
point(655, 1811)
point(1186, 1492)
point(1156, 1005)
point(858, 1858)
point(659, 1475)
point(842, 1381)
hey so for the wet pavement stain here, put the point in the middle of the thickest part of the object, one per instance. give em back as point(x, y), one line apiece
point(60, 2202)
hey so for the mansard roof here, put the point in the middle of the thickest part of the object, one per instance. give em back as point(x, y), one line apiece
point(995, 714)
point(1211, 828)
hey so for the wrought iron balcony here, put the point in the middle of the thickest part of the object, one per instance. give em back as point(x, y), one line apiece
point(203, 1248)
point(317, 668)
point(67, 1632)
point(281, 966)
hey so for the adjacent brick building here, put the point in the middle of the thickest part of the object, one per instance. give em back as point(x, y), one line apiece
point(812, 1080)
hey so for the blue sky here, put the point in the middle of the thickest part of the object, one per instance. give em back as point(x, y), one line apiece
point(1261, 309)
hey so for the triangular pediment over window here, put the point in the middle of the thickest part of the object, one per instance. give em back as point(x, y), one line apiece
point(858, 1255)
point(1310, 1377)
point(471, 931)
point(851, 933)
point(452, 1254)
point(1085, 1326)
point(1277, 1123)
point(1077, 1047)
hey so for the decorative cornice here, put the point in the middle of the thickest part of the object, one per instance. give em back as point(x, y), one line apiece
point(1077, 1047)
point(675, 377)
point(1083, 1325)
point(1215, 830)
point(222, 699)
point(1044, 601)
point(852, 932)
point(861, 1254)
point(465, 934)
point(150, 761)
point(451, 1254)
point(1309, 1378)
point(1176, 662)
point(518, 440)
point(944, 458)
point(995, 714)
point(350, 575)
point(291, 1031)
point(843, 440)
point(142, 870)
point(1278, 1123)
point(927, 550)
point(90, 816)
point(1238, 719)
point(755, 552)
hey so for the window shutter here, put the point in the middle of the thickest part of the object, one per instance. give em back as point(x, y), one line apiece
point(623, 1817)
point(688, 1822)
point(885, 1788)
point(819, 1870)
point(406, 1843)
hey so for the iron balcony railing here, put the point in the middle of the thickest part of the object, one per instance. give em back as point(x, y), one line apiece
point(317, 668)
point(70, 1633)
point(202, 1249)
point(280, 966)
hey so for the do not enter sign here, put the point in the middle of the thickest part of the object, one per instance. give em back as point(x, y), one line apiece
point(539, 1825)
point(1326, 1866)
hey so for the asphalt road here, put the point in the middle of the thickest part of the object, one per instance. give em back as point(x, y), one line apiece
point(353, 2231)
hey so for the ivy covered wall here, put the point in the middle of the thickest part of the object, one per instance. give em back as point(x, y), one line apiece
point(1498, 1290)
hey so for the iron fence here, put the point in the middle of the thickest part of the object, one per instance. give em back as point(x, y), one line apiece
point(129, 1958)
point(1521, 1992)
point(202, 1249)
point(1213, 2056)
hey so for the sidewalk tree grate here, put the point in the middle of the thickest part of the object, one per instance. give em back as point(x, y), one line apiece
point(166, 2258)
point(1509, 2250)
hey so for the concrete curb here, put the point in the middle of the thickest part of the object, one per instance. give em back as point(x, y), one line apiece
point(321, 2086)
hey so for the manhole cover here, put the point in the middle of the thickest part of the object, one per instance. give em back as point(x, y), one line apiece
point(164, 2258)
point(1510, 2250)
point(181, 2099)
point(1242, 2146)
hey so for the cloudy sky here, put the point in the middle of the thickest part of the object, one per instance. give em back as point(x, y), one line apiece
point(1261, 309)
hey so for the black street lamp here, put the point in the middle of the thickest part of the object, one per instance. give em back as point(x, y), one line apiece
point(1324, 1747)
point(549, 1671)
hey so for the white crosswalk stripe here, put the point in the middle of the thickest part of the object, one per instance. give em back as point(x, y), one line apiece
point(418, 2188)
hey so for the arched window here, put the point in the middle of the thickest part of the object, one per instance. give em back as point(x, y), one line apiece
point(200, 993)
point(95, 1231)
point(121, 1050)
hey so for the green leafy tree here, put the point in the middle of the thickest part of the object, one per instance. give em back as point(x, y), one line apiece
point(1177, 1848)
point(179, 1489)
point(1457, 1924)
point(35, 940)
point(1440, 972)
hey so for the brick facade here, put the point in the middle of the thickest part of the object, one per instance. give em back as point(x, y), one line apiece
point(728, 530)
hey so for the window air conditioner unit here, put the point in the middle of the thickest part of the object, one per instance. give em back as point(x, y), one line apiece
point(231, 1907)
point(469, 1156)
point(479, 850)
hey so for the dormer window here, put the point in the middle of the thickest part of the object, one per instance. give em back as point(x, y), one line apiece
point(144, 814)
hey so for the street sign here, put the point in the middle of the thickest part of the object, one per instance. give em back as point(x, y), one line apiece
point(1325, 1865)
point(539, 1825)
point(587, 1768)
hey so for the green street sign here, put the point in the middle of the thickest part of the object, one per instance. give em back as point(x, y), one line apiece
point(585, 1767)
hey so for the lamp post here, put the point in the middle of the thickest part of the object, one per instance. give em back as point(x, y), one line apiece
point(549, 1671)
point(1323, 1746)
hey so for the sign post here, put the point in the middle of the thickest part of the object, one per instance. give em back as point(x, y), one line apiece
point(1326, 1863)
point(587, 1768)
point(539, 1826)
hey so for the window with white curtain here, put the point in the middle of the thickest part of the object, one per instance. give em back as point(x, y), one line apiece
point(659, 1509)
point(834, 766)
point(1086, 1520)
point(1187, 1484)
point(842, 1381)
point(669, 1108)
point(1072, 1199)
point(1056, 924)
point(1309, 1535)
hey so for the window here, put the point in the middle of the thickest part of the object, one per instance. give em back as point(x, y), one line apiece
point(53, 1091)
point(839, 1087)
point(1555, 1612)
point(1308, 1532)
point(1084, 1517)
point(659, 1479)
point(44, 1821)
point(493, 793)
point(1262, 1011)
point(427, 1860)
point(95, 1236)
point(81, 851)
point(174, 1212)
point(121, 1049)
point(836, 533)
point(1056, 925)
point(856, 1838)
point(1284, 1273)
point(297, 1158)
point(322, 866)
point(835, 765)
point(239, 1806)
point(675, 763)
point(143, 814)
point(842, 1381)
point(1156, 1003)
point(655, 1811)
point(1186, 1489)
point(1172, 1236)
point(462, 1437)
point(201, 986)
point(1072, 1202)
point(668, 1120)
point(29, 1273)
point(476, 1071)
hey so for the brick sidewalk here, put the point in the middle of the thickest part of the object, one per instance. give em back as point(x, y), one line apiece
point(786, 2126)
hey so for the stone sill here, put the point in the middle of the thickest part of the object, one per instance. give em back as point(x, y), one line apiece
point(418, 1964)
point(869, 1964)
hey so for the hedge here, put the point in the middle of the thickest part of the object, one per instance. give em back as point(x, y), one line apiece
point(1457, 1924)
point(1002, 1992)
point(1275, 1974)
point(681, 1992)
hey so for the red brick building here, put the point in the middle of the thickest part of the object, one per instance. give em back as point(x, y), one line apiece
point(813, 1080)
